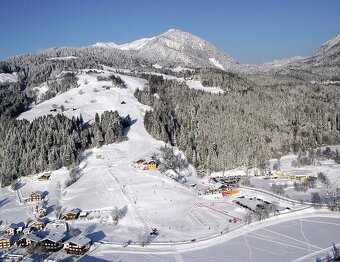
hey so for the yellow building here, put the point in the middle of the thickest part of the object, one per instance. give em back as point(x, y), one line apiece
point(151, 165)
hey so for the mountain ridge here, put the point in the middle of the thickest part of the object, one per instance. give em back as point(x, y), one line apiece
point(177, 48)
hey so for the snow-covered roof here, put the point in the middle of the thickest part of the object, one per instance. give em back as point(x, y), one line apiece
point(74, 210)
point(55, 237)
point(31, 237)
point(39, 220)
point(79, 240)
point(83, 213)
point(45, 175)
point(37, 193)
point(9, 237)
point(16, 225)
point(229, 173)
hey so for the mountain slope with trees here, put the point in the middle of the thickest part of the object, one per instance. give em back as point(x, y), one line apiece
point(244, 126)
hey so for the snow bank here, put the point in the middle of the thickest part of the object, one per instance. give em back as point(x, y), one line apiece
point(8, 78)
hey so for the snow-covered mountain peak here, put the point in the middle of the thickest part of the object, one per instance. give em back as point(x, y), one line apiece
point(107, 44)
point(176, 48)
point(330, 44)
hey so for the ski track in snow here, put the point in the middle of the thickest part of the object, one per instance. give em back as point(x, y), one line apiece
point(261, 237)
point(304, 236)
point(290, 238)
point(248, 246)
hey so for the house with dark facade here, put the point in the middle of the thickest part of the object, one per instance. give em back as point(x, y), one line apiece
point(53, 242)
point(78, 245)
point(27, 240)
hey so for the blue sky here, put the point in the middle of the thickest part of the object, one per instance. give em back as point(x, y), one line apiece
point(251, 31)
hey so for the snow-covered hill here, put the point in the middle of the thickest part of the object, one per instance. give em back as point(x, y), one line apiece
point(176, 48)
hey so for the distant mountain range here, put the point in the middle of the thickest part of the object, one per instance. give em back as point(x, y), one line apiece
point(175, 48)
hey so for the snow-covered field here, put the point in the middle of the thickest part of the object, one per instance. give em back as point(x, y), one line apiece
point(191, 227)
point(328, 167)
point(296, 237)
point(194, 84)
point(8, 78)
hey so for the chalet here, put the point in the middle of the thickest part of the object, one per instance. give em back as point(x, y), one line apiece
point(150, 165)
point(123, 102)
point(223, 188)
point(72, 215)
point(83, 214)
point(27, 240)
point(53, 242)
point(6, 241)
point(42, 212)
point(38, 224)
point(78, 245)
point(35, 196)
point(14, 229)
point(44, 177)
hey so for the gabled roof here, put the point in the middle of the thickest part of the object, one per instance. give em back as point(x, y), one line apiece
point(37, 193)
point(44, 220)
point(74, 210)
point(9, 237)
point(31, 237)
point(79, 240)
point(45, 175)
point(55, 237)
point(16, 225)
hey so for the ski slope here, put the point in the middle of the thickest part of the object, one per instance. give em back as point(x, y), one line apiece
point(108, 179)
point(194, 84)
point(191, 227)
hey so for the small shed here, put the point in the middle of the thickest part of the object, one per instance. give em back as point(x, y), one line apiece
point(44, 177)
point(42, 212)
point(83, 214)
